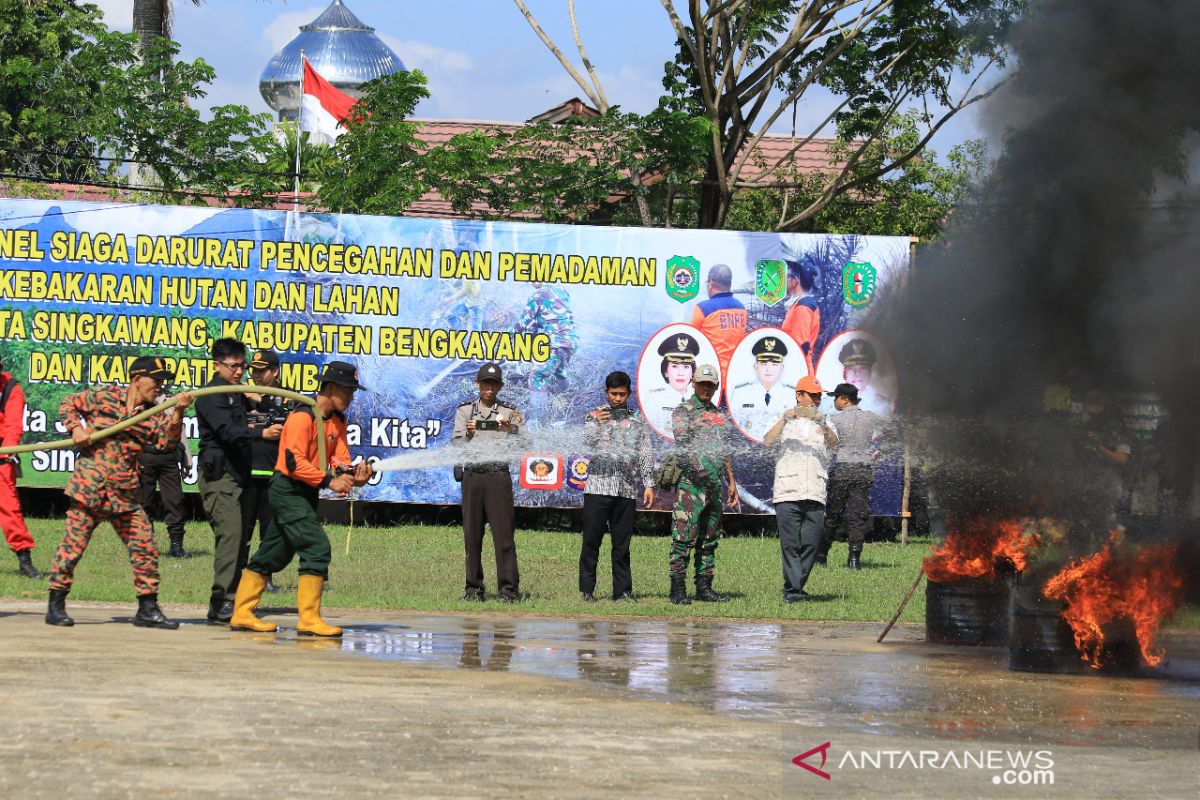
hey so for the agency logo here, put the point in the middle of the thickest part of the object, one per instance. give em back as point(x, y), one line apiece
point(858, 283)
point(683, 278)
point(800, 760)
point(577, 473)
point(770, 280)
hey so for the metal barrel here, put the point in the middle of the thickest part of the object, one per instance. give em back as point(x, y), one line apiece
point(973, 611)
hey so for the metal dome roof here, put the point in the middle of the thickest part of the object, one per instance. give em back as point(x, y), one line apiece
point(340, 46)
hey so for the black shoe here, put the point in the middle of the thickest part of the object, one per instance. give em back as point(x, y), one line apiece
point(624, 597)
point(587, 597)
point(679, 590)
point(855, 560)
point(25, 565)
point(56, 611)
point(271, 588)
point(822, 559)
point(509, 599)
point(176, 550)
point(705, 593)
point(149, 615)
point(220, 612)
point(799, 597)
point(472, 596)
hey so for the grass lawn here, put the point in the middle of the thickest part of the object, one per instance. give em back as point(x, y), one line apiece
point(420, 567)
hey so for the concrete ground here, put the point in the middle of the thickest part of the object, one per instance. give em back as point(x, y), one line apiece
point(413, 705)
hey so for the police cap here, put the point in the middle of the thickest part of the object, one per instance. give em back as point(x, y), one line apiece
point(857, 352)
point(679, 347)
point(769, 348)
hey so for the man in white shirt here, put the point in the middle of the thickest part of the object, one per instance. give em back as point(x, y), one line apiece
point(802, 439)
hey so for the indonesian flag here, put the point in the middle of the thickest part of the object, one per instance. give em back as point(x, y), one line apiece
point(323, 106)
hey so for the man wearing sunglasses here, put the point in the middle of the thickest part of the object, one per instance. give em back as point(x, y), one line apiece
point(225, 458)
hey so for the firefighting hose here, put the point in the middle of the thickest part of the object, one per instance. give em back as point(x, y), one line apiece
point(104, 433)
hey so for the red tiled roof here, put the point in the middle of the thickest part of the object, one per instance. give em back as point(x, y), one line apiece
point(812, 157)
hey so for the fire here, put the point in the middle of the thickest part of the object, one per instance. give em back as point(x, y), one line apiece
point(971, 550)
point(1145, 589)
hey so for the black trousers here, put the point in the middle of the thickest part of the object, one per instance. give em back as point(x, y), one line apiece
point(258, 508)
point(848, 495)
point(487, 497)
point(601, 512)
point(801, 528)
point(162, 469)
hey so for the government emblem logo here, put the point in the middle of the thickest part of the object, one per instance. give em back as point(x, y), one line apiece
point(858, 283)
point(683, 278)
point(770, 280)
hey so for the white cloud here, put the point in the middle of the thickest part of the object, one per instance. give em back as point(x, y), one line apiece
point(428, 57)
point(286, 27)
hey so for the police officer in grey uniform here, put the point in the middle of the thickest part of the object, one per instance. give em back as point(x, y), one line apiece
point(757, 404)
point(482, 426)
point(679, 351)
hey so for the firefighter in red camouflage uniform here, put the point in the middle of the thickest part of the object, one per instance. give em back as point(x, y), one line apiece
point(104, 485)
point(12, 421)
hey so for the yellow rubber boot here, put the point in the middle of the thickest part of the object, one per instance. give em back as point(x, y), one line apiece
point(308, 598)
point(250, 589)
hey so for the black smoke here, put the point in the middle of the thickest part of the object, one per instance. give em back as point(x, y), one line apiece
point(1077, 264)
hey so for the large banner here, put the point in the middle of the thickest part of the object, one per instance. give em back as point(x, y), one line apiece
point(418, 305)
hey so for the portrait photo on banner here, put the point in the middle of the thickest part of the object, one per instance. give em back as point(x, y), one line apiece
point(665, 371)
point(762, 380)
point(858, 357)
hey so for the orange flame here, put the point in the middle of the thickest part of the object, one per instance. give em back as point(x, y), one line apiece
point(1101, 588)
point(971, 550)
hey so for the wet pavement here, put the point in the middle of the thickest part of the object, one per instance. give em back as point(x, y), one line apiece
point(436, 705)
point(818, 674)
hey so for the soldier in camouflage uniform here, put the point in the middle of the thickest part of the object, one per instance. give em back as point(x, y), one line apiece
point(549, 311)
point(104, 485)
point(702, 442)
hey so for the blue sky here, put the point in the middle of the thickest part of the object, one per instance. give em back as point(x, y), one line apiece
point(482, 59)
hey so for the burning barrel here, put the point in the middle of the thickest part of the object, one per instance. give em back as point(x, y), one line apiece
point(1040, 640)
point(969, 611)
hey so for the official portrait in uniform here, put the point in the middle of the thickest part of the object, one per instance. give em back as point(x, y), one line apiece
point(859, 358)
point(762, 380)
point(664, 374)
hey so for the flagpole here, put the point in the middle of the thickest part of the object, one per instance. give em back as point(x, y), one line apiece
point(299, 134)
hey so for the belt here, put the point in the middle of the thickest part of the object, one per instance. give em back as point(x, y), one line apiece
point(486, 468)
point(154, 451)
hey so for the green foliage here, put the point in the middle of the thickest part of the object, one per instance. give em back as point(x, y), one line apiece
point(280, 157)
point(744, 68)
point(378, 164)
point(78, 104)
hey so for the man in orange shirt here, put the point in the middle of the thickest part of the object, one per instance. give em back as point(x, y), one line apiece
point(12, 522)
point(721, 317)
point(293, 492)
point(803, 320)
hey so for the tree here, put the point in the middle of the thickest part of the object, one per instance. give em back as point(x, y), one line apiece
point(744, 64)
point(78, 104)
point(152, 20)
point(558, 172)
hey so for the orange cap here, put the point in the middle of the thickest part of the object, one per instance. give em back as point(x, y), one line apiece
point(809, 384)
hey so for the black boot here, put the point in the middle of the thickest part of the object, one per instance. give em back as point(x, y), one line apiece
point(56, 612)
point(679, 590)
point(704, 590)
point(853, 562)
point(177, 550)
point(220, 611)
point(149, 615)
point(271, 588)
point(25, 565)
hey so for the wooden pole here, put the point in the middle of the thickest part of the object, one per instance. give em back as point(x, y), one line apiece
point(903, 604)
point(904, 515)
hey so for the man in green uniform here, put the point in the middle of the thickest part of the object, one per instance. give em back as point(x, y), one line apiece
point(294, 491)
point(703, 446)
point(104, 485)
